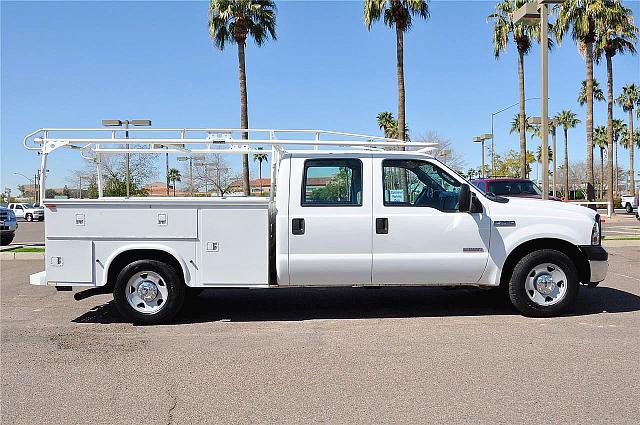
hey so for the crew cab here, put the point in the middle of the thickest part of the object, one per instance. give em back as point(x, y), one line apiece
point(356, 216)
point(27, 212)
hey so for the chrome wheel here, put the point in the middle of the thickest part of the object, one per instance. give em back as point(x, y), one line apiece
point(147, 292)
point(546, 284)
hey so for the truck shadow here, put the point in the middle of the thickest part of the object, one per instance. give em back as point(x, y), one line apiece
point(294, 304)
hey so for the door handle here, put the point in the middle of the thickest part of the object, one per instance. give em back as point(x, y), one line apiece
point(297, 226)
point(382, 226)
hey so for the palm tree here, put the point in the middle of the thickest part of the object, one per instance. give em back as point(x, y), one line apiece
point(628, 99)
point(397, 14)
point(567, 119)
point(174, 176)
point(233, 21)
point(522, 34)
point(583, 17)
point(616, 34)
point(600, 140)
point(598, 94)
point(260, 157)
point(619, 129)
point(389, 126)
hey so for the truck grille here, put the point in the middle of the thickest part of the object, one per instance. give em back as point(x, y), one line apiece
point(4, 215)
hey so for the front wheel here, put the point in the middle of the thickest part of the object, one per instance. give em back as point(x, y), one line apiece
point(149, 292)
point(544, 284)
point(628, 208)
point(28, 217)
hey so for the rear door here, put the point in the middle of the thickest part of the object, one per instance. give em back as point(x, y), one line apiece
point(330, 207)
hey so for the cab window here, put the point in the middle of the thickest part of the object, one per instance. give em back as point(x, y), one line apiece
point(332, 182)
point(412, 183)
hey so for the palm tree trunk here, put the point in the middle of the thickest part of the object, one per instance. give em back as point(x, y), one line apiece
point(553, 159)
point(244, 116)
point(404, 182)
point(521, 129)
point(632, 172)
point(260, 176)
point(566, 165)
point(602, 173)
point(400, 72)
point(610, 171)
point(589, 124)
point(616, 169)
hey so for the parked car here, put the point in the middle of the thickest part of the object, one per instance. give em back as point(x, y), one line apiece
point(8, 224)
point(510, 187)
point(630, 203)
point(358, 216)
point(27, 212)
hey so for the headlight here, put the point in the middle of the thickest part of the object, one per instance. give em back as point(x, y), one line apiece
point(12, 215)
point(596, 231)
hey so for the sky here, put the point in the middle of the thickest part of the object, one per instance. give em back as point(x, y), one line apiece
point(71, 64)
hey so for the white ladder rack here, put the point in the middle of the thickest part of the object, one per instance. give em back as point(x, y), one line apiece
point(198, 141)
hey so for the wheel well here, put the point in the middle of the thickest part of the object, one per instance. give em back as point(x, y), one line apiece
point(128, 257)
point(571, 250)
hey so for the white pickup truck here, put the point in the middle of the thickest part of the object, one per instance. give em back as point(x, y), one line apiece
point(27, 211)
point(351, 216)
point(630, 203)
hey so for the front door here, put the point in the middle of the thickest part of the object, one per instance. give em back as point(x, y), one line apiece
point(330, 221)
point(419, 237)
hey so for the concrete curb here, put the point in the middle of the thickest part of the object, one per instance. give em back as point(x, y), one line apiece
point(5, 256)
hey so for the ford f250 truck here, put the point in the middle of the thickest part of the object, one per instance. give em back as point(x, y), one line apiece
point(341, 213)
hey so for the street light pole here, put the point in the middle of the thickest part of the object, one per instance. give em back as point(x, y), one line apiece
point(539, 11)
point(481, 140)
point(125, 123)
point(544, 45)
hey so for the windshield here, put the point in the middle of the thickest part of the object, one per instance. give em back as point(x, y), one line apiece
point(513, 188)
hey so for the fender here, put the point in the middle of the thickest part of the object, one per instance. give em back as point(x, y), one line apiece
point(153, 247)
point(502, 245)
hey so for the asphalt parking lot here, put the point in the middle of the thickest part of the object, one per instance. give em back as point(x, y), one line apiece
point(29, 233)
point(408, 355)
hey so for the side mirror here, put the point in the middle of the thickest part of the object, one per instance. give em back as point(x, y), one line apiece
point(464, 198)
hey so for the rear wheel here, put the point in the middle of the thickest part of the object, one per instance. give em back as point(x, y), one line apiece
point(28, 217)
point(149, 292)
point(544, 283)
point(628, 208)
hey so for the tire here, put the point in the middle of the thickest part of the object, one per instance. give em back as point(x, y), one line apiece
point(161, 279)
point(7, 239)
point(534, 294)
point(28, 217)
point(628, 208)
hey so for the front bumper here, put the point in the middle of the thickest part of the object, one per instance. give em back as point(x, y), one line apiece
point(598, 262)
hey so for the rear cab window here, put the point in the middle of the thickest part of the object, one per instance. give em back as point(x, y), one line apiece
point(332, 182)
